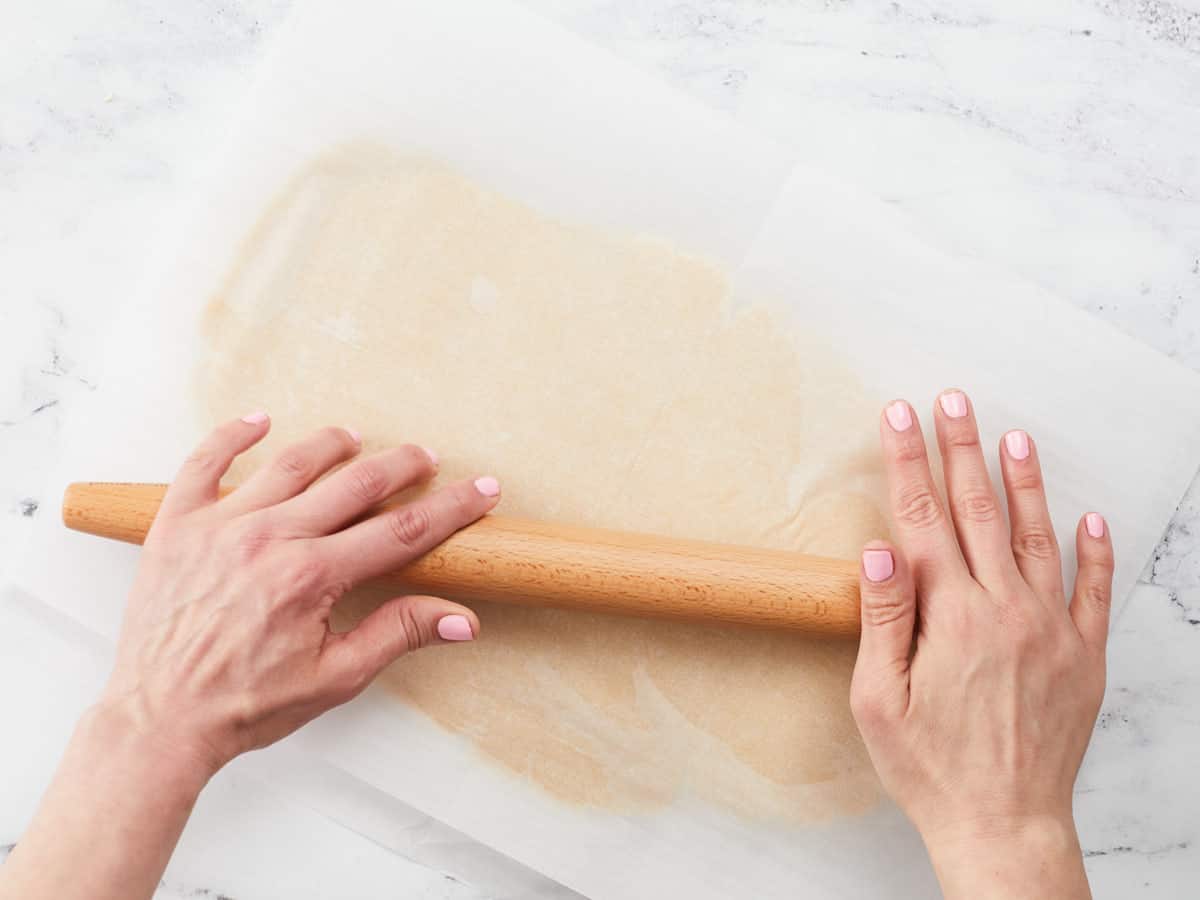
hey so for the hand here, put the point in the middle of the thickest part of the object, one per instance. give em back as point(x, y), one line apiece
point(977, 685)
point(226, 643)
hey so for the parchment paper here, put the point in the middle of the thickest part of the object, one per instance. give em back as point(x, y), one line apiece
point(526, 108)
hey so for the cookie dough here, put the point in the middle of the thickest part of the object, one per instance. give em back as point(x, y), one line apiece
point(608, 380)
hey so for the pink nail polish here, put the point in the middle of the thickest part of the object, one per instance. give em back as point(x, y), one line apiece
point(1017, 444)
point(255, 418)
point(898, 416)
point(954, 404)
point(433, 457)
point(878, 565)
point(488, 486)
point(353, 432)
point(455, 628)
point(1094, 523)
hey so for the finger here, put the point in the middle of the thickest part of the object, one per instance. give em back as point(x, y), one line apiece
point(974, 506)
point(1034, 546)
point(397, 536)
point(198, 482)
point(346, 495)
point(399, 626)
point(294, 469)
point(922, 527)
point(1093, 584)
point(889, 615)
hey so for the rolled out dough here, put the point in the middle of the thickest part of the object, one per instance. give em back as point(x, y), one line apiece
point(606, 379)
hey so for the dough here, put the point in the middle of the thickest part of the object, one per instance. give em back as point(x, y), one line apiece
point(608, 380)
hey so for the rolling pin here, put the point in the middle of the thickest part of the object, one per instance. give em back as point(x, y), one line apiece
point(511, 560)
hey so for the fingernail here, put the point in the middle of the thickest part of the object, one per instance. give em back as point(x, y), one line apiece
point(954, 404)
point(433, 457)
point(488, 486)
point(898, 416)
point(878, 564)
point(455, 628)
point(1017, 444)
point(255, 418)
point(353, 432)
point(1094, 523)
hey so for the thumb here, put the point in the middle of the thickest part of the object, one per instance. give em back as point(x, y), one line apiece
point(399, 626)
point(1093, 584)
point(889, 614)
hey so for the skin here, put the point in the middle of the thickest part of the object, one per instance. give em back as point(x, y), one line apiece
point(976, 686)
point(226, 645)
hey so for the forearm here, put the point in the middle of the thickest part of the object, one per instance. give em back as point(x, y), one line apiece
point(1039, 859)
point(110, 818)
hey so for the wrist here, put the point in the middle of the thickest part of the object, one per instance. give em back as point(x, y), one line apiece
point(118, 735)
point(1033, 856)
point(120, 779)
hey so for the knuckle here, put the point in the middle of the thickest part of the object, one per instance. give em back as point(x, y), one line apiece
point(414, 456)
point(416, 634)
point(294, 465)
point(975, 505)
point(334, 590)
point(203, 460)
point(410, 524)
point(464, 504)
point(965, 438)
point(884, 607)
point(250, 541)
point(1100, 560)
point(1023, 640)
point(306, 572)
point(1097, 594)
point(1026, 482)
point(1064, 661)
point(336, 437)
point(910, 451)
point(367, 483)
point(917, 506)
point(1035, 545)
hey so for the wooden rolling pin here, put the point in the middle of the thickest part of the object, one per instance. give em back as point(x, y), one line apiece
point(511, 560)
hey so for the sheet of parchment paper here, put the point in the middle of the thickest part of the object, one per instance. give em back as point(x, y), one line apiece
point(528, 111)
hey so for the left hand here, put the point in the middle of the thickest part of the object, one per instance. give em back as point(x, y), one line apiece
point(226, 644)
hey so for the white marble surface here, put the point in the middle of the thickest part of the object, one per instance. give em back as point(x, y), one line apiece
point(1059, 140)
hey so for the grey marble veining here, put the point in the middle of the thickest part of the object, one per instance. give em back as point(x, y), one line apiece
point(1059, 141)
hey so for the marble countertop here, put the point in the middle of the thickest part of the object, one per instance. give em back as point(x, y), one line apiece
point(1060, 141)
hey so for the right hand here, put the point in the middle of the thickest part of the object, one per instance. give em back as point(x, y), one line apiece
point(977, 686)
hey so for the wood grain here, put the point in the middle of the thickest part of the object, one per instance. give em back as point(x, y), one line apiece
point(512, 560)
